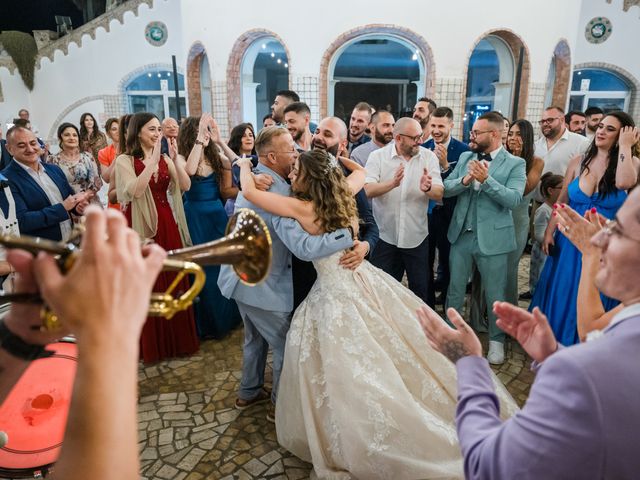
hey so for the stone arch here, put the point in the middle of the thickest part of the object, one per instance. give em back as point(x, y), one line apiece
point(54, 128)
point(376, 29)
point(234, 82)
point(515, 44)
point(124, 81)
point(634, 100)
point(561, 63)
point(197, 53)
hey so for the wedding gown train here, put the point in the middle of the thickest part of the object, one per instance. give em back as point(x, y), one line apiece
point(362, 394)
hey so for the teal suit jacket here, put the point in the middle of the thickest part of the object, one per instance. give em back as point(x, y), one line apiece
point(498, 195)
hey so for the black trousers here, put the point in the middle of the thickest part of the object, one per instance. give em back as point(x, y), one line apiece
point(439, 221)
point(396, 261)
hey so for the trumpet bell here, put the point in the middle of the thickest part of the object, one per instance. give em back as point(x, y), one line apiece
point(247, 246)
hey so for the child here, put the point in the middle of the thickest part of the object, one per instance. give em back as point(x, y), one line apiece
point(550, 187)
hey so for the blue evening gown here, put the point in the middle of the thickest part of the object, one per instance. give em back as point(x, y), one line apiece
point(216, 316)
point(557, 290)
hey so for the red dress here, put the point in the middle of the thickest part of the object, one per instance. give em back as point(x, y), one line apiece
point(163, 338)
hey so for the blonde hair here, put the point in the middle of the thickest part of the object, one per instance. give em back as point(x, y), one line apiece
point(266, 137)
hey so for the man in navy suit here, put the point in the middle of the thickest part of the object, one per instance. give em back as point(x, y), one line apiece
point(448, 150)
point(44, 198)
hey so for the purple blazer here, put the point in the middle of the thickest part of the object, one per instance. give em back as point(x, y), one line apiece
point(581, 420)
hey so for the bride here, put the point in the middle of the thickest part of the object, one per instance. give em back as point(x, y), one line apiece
point(362, 395)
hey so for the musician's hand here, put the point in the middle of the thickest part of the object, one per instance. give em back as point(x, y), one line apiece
point(106, 292)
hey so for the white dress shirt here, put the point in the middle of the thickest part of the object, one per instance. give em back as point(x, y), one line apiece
point(401, 213)
point(557, 158)
point(52, 192)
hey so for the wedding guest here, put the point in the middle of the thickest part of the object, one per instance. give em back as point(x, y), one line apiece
point(108, 154)
point(584, 396)
point(597, 180)
point(594, 117)
point(92, 140)
point(211, 185)
point(78, 166)
point(242, 140)
point(268, 121)
point(576, 121)
point(144, 180)
point(521, 144)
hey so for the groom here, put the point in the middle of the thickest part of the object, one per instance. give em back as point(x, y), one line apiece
point(266, 308)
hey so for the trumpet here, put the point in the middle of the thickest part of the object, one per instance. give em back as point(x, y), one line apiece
point(246, 246)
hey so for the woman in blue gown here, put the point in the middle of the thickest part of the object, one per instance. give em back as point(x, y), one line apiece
point(599, 180)
point(211, 185)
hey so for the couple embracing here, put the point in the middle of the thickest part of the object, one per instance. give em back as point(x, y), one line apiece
point(360, 393)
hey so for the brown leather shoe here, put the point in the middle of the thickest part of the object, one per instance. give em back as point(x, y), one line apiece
point(262, 397)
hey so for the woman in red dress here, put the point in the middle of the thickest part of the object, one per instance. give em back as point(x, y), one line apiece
point(145, 179)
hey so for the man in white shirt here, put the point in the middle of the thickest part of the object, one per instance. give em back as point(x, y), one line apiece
point(401, 178)
point(558, 145)
point(381, 127)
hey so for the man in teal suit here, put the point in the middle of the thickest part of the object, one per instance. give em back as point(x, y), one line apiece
point(489, 183)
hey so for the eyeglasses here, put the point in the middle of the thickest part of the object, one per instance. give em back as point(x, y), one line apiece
point(548, 120)
point(475, 133)
point(416, 139)
point(611, 228)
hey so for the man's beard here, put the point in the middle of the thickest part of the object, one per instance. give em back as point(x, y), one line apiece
point(384, 139)
point(297, 135)
point(333, 150)
point(422, 121)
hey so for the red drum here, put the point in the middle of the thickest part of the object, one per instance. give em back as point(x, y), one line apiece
point(34, 414)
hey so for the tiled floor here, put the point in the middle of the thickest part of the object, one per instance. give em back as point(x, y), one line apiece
point(189, 429)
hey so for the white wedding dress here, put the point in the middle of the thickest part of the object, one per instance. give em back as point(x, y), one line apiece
point(362, 395)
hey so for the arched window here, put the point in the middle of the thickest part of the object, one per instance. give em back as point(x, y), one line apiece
point(383, 70)
point(206, 96)
point(490, 80)
point(265, 70)
point(153, 91)
point(593, 87)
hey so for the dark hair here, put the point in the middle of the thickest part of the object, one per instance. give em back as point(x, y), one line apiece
point(187, 139)
point(567, 117)
point(528, 145)
point(593, 111)
point(136, 122)
point(290, 94)
point(300, 108)
point(432, 104)
point(560, 110)
point(548, 181)
point(84, 134)
point(607, 184)
point(63, 127)
point(122, 133)
point(235, 138)
point(268, 115)
point(493, 117)
point(22, 122)
point(376, 115)
point(109, 123)
point(443, 112)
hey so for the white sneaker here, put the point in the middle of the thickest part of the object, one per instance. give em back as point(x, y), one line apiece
point(496, 353)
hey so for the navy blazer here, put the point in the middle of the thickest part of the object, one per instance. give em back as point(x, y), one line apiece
point(5, 156)
point(36, 216)
point(454, 150)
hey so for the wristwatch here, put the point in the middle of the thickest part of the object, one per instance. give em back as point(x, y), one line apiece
point(14, 345)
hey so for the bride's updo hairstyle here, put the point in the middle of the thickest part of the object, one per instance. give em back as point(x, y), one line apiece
point(321, 181)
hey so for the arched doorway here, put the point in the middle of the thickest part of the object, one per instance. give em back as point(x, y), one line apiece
point(265, 70)
point(199, 80)
point(599, 87)
point(153, 91)
point(497, 78)
point(386, 71)
point(557, 86)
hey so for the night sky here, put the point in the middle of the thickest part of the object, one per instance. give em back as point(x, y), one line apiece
point(29, 15)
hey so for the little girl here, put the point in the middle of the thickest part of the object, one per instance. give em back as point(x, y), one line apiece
point(550, 187)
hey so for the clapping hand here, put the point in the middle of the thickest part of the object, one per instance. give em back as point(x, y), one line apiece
point(203, 129)
point(531, 330)
point(398, 176)
point(441, 152)
point(214, 131)
point(157, 151)
point(453, 343)
point(579, 230)
point(425, 181)
point(479, 170)
point(629, 136)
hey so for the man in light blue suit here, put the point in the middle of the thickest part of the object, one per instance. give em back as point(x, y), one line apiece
point(266, 308)
point(489, 183)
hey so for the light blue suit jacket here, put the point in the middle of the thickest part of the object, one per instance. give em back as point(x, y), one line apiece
point(498, 195)
point(275, 293)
